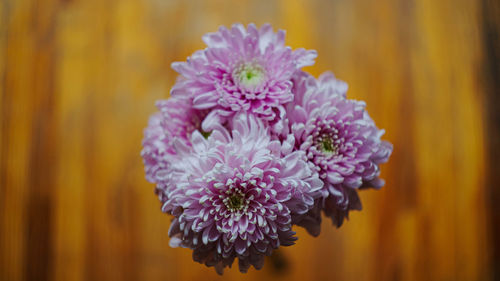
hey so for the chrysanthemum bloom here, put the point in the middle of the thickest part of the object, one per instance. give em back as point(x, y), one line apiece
point(340, 139)
point(177, 120)
point(242, 69)
point(239, 195)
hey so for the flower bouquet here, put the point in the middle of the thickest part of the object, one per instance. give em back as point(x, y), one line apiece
point(249, 145)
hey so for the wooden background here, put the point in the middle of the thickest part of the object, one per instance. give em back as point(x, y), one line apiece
point(78, 80)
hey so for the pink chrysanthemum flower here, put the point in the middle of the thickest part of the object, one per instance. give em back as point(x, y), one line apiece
point(236, 195)
point(340, 140)
point(242, 69)
point(176, 120)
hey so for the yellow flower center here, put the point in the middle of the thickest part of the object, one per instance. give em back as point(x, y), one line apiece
point(250, 75)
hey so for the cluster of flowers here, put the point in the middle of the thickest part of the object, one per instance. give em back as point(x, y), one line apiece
point(249, 145)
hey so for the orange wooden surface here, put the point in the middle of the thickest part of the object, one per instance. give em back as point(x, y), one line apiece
point(78, 80)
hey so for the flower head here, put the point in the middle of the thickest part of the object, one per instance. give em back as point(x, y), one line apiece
point(242, 69)
point(175, 121)
point(340, 140)
point(237, 195)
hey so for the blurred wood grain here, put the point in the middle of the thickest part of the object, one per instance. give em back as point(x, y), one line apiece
point(78, 80)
